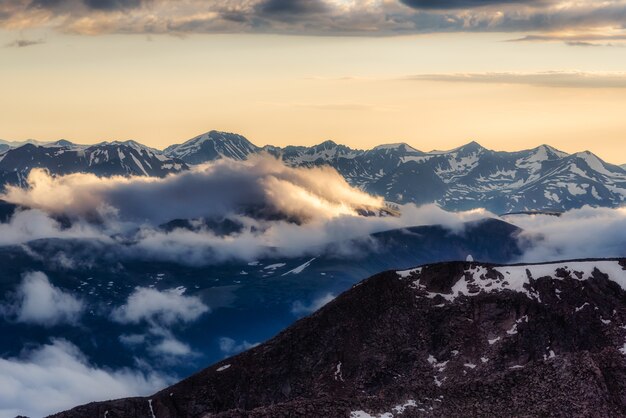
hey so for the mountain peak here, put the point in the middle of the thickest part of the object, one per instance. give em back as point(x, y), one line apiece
point(551, 150)
point(471, 146)
point(212, 145)
point(61, 143)
point(328, 144)
point(400, 146)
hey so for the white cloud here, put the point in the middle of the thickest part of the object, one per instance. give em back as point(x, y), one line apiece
point(580, 233)
point(171, 347)
point(299, 308)
point(37, 301)
point(57, 376)
point(29, 225)
point(159, 307)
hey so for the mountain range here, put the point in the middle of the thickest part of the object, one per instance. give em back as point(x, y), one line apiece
point(464, 178)
point(449, 339)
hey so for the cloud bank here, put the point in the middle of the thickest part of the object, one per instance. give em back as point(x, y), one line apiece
point(262, 186)
point(57, 376)
point(236, 210)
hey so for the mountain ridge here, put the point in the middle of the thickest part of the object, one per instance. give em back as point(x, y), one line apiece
point(467, 177)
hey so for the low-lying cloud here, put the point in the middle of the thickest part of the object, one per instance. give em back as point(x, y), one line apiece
point(580, 233)
point(276, 211)
point(263, 186)
point(38, 302)
point(57, 376)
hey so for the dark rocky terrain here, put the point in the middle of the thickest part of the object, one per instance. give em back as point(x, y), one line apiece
point(454, 339)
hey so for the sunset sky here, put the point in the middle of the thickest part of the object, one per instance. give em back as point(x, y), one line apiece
point(435, 74)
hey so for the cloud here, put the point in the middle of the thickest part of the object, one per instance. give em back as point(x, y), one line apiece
point(580, 233)
point(64, 5)
point(292, 7)
point(23, 43)
point(160, 310)
point(57, 376)
point(38, 302)
point(559, 79)
point(263, 186)
point(277, 238)
point(315, 17)
point(298, 308)
point(29, 225)
point(166, 307)
point(460, 4)
point(230, 347)
point(278, 210)
point(171, 347)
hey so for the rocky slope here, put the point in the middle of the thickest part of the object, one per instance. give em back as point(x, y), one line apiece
point(450, 339)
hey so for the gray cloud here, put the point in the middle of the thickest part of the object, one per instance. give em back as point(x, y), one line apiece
point(90, 4)
point(562, 79)
point(461, 4)
point(291, 7)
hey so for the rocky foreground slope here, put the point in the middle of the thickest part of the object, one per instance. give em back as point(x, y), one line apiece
point(450, 339)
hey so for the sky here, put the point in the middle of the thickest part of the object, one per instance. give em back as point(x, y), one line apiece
point(434, 74)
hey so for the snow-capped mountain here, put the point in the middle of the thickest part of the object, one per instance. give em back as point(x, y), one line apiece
point(472, 176)
point(104, 159)
point(211, 146)
point(467, 177)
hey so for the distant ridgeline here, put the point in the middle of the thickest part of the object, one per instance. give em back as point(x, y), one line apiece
point(464, 178)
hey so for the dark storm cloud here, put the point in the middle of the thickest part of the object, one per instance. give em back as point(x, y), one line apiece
point(91, 4)
point(460, 4)
point(291, 7)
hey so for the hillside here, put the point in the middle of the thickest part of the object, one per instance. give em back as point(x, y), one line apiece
point(449, 339)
